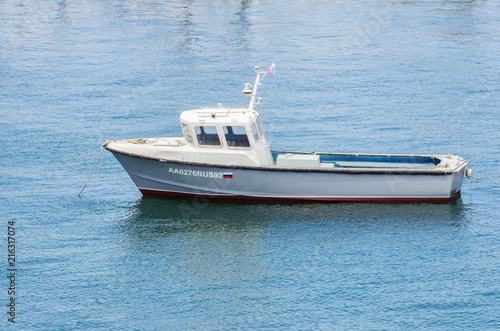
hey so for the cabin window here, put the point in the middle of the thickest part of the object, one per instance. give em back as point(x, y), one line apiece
point(255, 131)
point(187, 133)
point(207, 135)
point(236, 136)
point(261, 129)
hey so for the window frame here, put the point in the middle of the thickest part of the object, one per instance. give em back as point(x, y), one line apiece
point(187, 132)
point(246, 135)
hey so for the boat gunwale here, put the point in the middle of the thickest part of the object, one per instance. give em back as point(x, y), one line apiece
point(433, 172)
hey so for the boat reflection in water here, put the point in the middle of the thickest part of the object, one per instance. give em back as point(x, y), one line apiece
point(156, 217)
point(250, 257)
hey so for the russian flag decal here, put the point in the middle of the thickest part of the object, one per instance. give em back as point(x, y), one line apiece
point(227, 175)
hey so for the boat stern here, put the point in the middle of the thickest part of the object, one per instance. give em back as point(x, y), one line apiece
point(458, 177)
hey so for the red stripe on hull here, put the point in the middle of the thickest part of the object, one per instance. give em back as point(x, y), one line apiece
point(166, 194)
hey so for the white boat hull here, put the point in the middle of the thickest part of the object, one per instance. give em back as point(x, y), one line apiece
point(159, 177)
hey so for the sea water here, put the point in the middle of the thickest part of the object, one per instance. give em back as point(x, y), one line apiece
point(351, 77)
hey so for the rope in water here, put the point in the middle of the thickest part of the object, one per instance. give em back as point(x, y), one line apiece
point(95, 166)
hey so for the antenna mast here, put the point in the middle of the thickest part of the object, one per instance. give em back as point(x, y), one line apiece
point(252, 92)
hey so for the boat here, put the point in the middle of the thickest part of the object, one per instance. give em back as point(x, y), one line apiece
point(224, 154)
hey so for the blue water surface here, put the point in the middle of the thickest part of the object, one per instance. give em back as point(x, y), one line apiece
point(351, 77)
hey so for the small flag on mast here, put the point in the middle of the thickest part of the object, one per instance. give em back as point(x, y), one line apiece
point(271, 69)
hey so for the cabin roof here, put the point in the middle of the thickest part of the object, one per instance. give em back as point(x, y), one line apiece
point(219, 115)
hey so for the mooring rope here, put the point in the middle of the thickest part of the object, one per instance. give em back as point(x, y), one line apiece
point(95, 166)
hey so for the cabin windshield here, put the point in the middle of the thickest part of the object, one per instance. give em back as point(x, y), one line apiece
point(207, 135)
point(255, 131)
point(261, 129)
point(236, 136)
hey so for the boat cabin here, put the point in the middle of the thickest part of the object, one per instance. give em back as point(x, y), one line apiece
point(226, 136)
